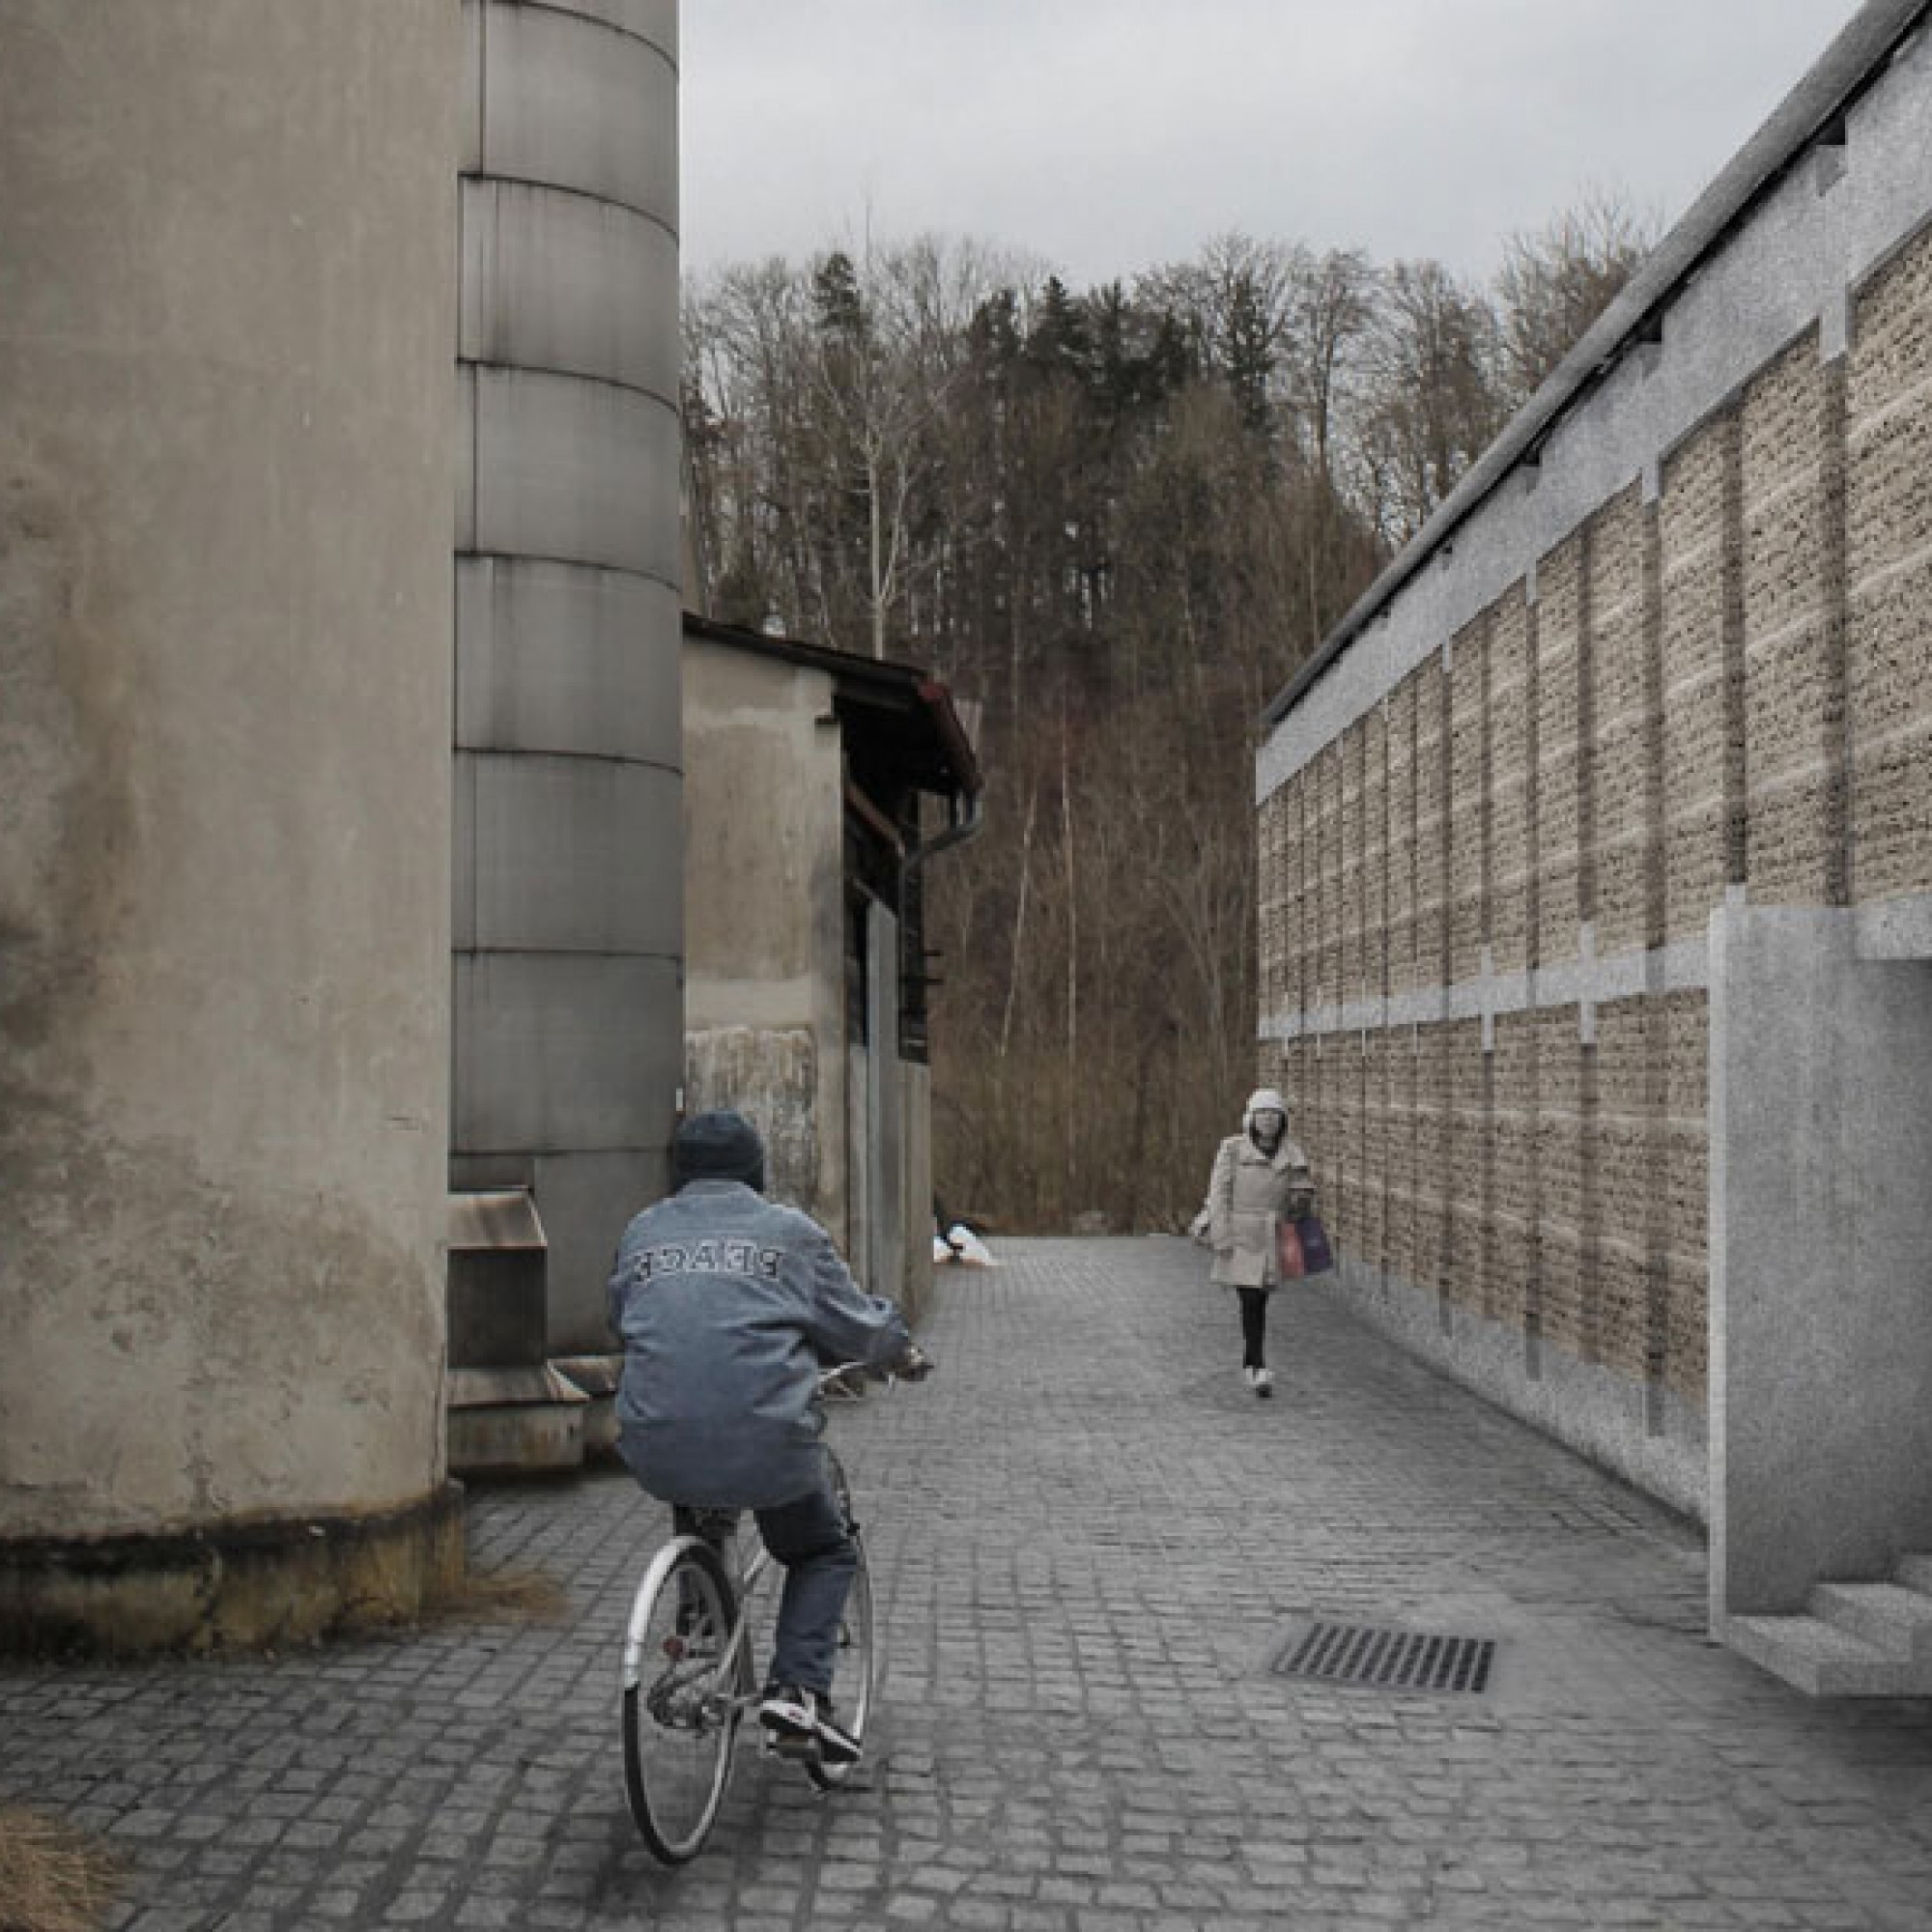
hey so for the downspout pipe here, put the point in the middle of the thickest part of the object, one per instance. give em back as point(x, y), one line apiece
point(965, 815)
point(965, 809)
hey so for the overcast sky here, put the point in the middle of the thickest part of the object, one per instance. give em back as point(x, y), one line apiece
point(1108, 136)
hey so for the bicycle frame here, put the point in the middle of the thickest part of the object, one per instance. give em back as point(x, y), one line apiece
point(684, 1686)
point(733, 1665)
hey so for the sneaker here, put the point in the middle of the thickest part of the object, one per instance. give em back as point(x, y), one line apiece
point(801, 1724)
point(1248, 1377)
point(1263, 1382)
point(837, 1746)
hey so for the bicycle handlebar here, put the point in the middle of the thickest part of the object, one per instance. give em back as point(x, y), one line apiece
point(842, 1378)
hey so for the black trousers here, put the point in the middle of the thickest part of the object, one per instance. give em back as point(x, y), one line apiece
point(1254, 1327)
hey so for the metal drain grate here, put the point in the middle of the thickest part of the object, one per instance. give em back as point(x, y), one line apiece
point(1389, 1660)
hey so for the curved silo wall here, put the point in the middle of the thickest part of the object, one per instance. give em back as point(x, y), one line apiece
point(227, 247)
point(568, 895)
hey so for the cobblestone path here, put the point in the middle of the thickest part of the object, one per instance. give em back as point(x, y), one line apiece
point(1091, 1545)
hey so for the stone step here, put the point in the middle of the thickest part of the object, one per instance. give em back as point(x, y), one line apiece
point(1819, 1658)
point(1895, 1618)
point(1914, 1572)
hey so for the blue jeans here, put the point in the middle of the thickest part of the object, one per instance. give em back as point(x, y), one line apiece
point(808, 1539)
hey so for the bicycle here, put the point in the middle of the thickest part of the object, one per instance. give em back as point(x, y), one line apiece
point(689, 1672)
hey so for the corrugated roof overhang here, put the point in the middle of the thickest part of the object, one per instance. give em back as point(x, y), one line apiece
point(900, 724)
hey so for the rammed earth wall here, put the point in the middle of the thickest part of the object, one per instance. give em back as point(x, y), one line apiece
point(1660, 668)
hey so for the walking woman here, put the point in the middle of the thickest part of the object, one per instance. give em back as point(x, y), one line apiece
point(1260, 1177)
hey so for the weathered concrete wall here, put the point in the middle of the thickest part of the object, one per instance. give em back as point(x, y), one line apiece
point(1822, 1325)
point(1668, 655)
point(227, 242)
point(568, 903)
point(764, 921)
point(1888, 523)
point(847, 1127)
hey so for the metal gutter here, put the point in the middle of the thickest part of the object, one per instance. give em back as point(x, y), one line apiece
point(963, 821)
point(946, 721)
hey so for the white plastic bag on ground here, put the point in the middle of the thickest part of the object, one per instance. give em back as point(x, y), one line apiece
point(968, 1247)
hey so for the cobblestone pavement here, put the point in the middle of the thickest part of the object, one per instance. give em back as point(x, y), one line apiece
point(1091, 1544)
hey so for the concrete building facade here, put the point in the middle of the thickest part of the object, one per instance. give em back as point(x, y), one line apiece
point(1596, 872)
point(227, 251)
point(807, 846)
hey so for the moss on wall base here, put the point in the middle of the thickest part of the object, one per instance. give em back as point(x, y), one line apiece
point(245, 1586)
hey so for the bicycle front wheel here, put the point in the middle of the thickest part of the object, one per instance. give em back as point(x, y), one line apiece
point(681, 1680)
point(854, 1682)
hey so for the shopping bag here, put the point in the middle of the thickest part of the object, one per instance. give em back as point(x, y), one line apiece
point(1301, 1247)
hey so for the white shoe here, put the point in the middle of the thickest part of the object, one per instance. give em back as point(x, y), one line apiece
point(1262, 1379)
point(1248, 1377)
point(801, 1725)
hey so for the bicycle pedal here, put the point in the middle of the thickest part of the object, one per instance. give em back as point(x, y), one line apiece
point(792, 1749)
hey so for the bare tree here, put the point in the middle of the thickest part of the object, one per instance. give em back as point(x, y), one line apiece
point(1120, 519)
point(746, 336)
point(1555, 281)
point(1433, 401)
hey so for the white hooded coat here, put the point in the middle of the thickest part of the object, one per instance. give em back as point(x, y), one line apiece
point(1249, 1191)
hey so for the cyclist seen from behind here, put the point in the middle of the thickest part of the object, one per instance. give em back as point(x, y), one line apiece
point(728, 1305)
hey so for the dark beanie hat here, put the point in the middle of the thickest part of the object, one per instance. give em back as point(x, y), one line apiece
point(718, 1145)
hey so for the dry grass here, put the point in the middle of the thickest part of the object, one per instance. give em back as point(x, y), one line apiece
point(51, 1878)
point(499, 1597)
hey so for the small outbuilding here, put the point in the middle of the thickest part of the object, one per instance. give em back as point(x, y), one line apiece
point(819, 786)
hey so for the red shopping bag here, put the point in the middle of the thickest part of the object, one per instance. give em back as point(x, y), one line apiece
point(1302, 1248)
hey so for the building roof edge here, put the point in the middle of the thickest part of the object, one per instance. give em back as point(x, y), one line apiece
point(1847, 66)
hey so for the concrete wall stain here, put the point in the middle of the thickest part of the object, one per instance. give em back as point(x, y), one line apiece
point(67, 832)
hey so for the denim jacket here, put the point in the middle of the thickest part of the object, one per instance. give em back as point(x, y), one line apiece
point(727, 1305)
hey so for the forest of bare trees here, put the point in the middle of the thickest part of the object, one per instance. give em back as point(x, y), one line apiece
point(1115, 521)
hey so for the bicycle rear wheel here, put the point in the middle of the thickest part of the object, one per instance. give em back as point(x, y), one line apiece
point(682, 1680)
point(854, 1682)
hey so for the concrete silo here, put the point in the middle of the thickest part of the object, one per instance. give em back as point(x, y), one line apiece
point(227, 276)
point(568, 897)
